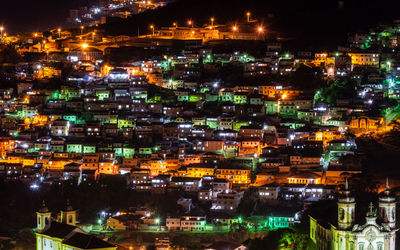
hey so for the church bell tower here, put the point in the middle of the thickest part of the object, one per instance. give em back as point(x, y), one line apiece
point(346, 209)
point(68, 215)
point(387, 207)
point(43, 217)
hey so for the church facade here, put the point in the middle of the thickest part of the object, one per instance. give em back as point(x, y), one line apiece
point(377, 233)
point(63, 234)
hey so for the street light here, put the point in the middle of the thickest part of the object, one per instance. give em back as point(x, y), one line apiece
point(82, 27)
point(59, 32)
point(260, 29)
point(1, 30)
point(93, 34)
point(85, 45)
point(248, 14)
point(175, 24)
point(235, 28)
point(158, 223)
point(212, 21)
point(152, 28)
point(190, 23)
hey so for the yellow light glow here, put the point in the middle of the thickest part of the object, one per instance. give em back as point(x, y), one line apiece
point(235, 28)
point(260, 29)
point(35, 35)
point(85, 45)
point(284, 96)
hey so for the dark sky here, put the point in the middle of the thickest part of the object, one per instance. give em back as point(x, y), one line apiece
point(33, 15)
point(30, 15)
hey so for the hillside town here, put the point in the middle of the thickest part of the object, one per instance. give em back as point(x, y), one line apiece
point(244, 139)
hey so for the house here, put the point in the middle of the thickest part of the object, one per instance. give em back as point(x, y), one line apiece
point(269, 191)
point(193, 223)
point(123, 222)
point(227, 202)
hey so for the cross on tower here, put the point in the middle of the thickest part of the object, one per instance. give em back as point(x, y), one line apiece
point(371, 209)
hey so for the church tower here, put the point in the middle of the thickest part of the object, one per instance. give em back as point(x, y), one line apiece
point(346, 209)
point(43, 217)
point(387, 207)
point(68, 215)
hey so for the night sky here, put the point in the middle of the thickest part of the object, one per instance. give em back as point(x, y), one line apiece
point(34, 15)
point(31, 15)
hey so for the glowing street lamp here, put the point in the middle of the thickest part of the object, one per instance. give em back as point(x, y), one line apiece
point(235, 28)
point(93, 35)
point(1, 30)
point(248, 14)
point(152, 28)
point(59, 32)
point(35, 34)
point(175, 24)
point(212, 21)
point(158, 223)
point(190, 23)
point(82, 27)
point(85, 45)
point(260, 29)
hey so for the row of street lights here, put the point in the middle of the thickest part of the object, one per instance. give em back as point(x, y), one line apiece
point(235, 28)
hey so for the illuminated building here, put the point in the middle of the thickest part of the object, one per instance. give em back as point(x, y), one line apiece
point(239, 175)
point(63, 234)
point(274, 92)
point(199, 170)
point(207, 33)
point(268, 191)
point(59, 128)
point(227, 202)
point(363, 124)
point(305, 178)
point(108, 167)
point(378, 231)
point(364, 59)
point(186, 223)
point(250, 145)
point(156, 166)
point(85, 54)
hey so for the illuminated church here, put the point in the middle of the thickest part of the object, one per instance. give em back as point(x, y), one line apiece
point(63, 234)
point(377, 233)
